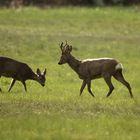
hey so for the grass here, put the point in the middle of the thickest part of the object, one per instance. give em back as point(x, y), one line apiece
point(56, 111)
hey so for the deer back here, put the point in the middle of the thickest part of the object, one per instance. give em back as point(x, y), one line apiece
point(14, 69)
point(95, 68)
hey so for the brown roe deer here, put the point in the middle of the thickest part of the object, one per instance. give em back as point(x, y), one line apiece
point(90, 69)
point(19, 71)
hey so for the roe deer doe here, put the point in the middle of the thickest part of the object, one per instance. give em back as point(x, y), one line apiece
point(90, 69)
point(19, 71)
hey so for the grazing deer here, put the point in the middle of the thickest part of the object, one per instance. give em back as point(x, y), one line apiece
point(19, 71)
point(90, 69)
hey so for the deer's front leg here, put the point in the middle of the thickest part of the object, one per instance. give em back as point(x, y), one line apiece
point(89, 87)
point(23, 82)
point(12, 84)
point(82, 87)
point(109, 83)
point(0, 88)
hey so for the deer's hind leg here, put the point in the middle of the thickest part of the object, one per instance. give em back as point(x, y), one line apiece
point(119, 76)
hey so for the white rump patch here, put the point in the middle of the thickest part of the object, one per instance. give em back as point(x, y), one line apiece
point(119, 66)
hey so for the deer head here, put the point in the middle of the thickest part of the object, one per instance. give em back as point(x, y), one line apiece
point(65, 56)
point(41, 77)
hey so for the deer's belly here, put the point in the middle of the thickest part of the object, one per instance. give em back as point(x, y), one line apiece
point(88, 76)
point(96, 76)
point(7, 75)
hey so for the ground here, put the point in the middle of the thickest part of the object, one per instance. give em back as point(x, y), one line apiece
point(56, 111)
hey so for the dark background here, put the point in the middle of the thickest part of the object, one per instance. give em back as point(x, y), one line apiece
point(45, 3)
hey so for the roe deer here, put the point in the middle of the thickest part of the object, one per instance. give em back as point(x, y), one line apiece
point(19, 71)
point(90, 69)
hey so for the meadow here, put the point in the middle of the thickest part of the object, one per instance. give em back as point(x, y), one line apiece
point(56, 111)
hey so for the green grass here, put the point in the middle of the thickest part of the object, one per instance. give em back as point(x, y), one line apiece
point(56, 112)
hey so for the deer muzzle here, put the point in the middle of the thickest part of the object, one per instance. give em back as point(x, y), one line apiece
point(59, 63)
point(43, 85)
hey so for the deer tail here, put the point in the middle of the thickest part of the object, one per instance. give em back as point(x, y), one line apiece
point(119, 66)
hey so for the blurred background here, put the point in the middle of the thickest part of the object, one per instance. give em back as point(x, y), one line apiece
point(45, 3)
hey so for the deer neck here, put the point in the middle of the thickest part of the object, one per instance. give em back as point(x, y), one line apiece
point(74, 63)
point(33, 76)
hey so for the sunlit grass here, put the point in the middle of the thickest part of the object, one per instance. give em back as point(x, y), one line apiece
point(56, 111)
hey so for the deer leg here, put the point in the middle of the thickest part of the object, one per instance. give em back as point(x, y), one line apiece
point(12, 84)
point(0, 88)
point(23, 82)
point(89, 87)
point(110, 85)
point(118, 76)
point(82, 87)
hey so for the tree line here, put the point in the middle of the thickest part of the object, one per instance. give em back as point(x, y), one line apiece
point(16, 3)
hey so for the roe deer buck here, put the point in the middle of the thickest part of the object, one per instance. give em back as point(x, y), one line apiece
point(19, 71)
point(90, 69)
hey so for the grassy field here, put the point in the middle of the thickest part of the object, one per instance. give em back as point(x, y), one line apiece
point(57, 112)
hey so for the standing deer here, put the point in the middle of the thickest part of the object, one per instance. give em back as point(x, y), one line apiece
point(90, 69)
point(19, 71)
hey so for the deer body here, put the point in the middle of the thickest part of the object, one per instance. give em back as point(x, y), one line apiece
point(19, 71)
point(94, 68)
point(90, 69)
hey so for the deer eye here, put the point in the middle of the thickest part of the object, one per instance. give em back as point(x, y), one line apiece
point(42, 78)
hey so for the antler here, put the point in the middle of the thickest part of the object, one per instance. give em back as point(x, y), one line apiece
point(65, 47)
point(66, 43)
point(61, 46)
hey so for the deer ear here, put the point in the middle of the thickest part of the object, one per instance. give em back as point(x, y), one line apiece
point(44, 73)
point(38, 71)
